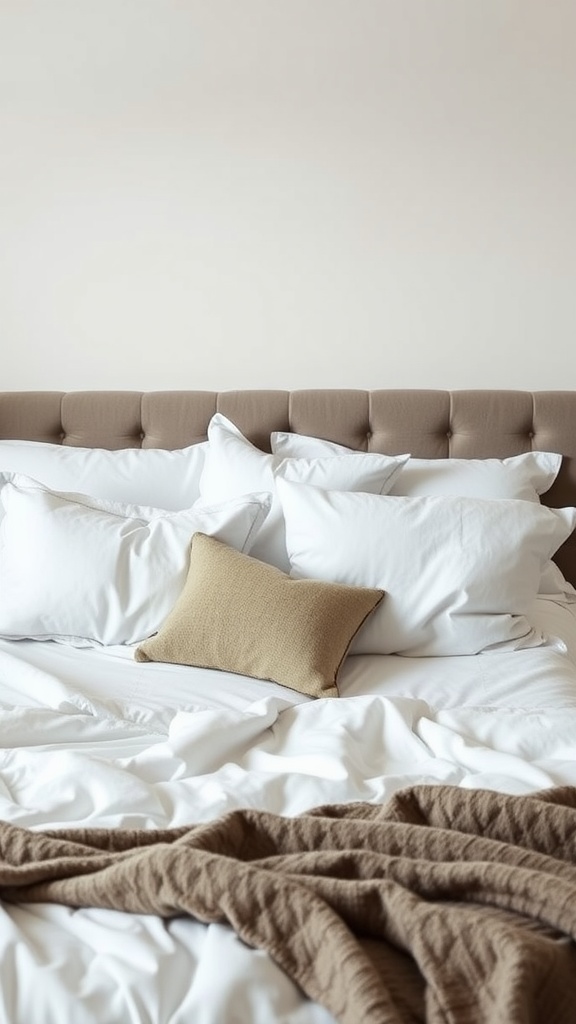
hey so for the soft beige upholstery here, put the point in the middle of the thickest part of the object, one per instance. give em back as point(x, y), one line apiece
point(429, 424)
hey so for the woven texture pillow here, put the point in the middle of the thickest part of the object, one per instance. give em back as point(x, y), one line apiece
point(238, 614)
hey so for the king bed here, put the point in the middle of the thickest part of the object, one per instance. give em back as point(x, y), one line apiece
point(288, 707)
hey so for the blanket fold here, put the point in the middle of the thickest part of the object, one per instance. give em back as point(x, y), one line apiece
point(444, 905)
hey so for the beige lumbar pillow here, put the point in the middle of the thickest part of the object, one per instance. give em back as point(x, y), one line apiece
point(238, 614)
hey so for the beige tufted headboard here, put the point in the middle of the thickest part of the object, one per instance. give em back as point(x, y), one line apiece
point(429, 424)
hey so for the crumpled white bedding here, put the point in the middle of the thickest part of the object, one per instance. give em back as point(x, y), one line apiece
point(91, 737)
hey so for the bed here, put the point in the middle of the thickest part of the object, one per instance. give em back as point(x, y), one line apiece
point(442, 705)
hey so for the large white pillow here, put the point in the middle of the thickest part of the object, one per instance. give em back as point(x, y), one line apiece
point(525, 477)
point(234, 466)
point(142, 476)
point(460, 574)
point(88, 571)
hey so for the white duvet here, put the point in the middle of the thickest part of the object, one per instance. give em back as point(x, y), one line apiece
point(89, 737)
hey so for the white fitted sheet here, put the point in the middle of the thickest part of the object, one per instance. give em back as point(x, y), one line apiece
point(92, 737)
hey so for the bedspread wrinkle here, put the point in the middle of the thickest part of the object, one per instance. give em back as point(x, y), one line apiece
point(443, 905)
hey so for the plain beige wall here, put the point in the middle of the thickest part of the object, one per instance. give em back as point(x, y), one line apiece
point(287, 193)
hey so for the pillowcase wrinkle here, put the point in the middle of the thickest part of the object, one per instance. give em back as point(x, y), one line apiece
point(238, 614)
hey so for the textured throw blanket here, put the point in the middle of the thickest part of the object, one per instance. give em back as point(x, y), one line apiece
point(445, 905)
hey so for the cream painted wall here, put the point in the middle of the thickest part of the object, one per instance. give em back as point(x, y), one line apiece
point(287, 193)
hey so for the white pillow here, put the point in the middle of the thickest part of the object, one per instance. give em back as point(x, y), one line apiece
point(86, 571)
point(142, 476)
point(525, 477)
point(234, 466)
point(460, 574)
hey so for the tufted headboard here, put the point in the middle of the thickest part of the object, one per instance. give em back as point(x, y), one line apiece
point(428, 423)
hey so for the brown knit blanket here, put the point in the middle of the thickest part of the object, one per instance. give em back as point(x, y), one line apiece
point(443, 905)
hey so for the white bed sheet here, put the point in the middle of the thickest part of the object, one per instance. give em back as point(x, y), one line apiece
point(91, 737)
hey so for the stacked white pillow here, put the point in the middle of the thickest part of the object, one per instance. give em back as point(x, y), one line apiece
point(142, 476)
point(233, 466)
point(459, 574)
point(524, 477)
point(94, 543)
point(84, 570)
